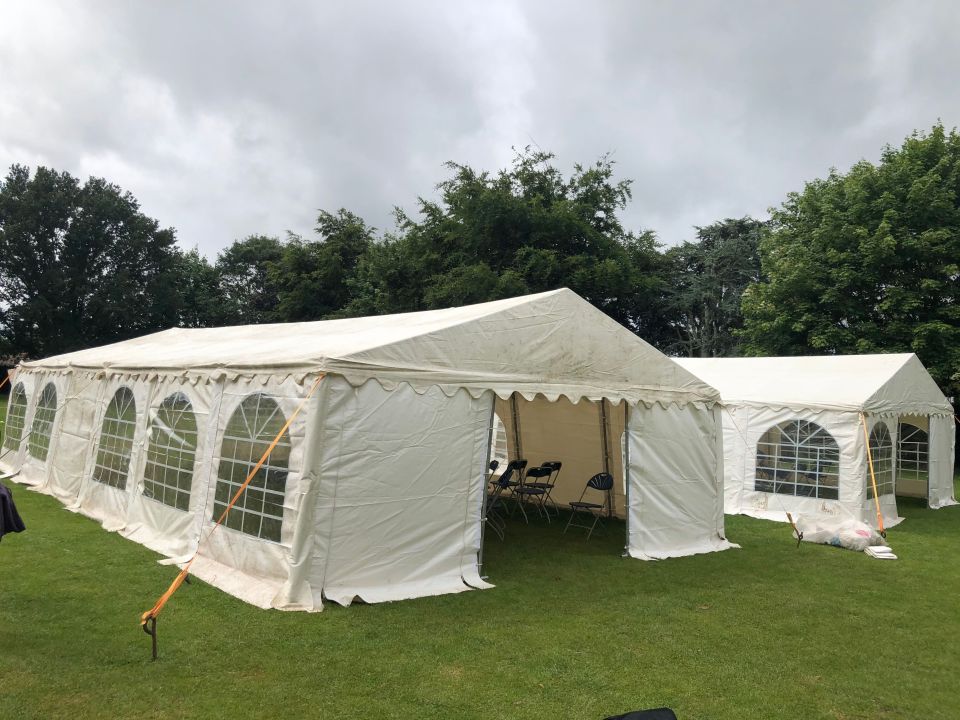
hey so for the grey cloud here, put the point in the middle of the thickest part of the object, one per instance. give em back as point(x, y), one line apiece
point(229, 118)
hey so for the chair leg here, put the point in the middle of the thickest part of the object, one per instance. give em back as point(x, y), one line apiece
point(523, 510)
point(573, 512)
point(569, 520)
point(596, 519)
point(548, 499)
point(542, 507)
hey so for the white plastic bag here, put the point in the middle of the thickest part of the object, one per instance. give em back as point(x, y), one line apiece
point(845, 533)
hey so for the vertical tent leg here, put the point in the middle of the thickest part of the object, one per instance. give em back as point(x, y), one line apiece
point(605, 446)
point(625, 451)
point(487, 474)
point(515, 417)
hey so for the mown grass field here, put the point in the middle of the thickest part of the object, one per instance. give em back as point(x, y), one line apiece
point(572, 630)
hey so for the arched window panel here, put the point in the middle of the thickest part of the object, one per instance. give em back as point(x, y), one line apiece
point(39, 443)
point(116, 440)
point(249, 432)
point(171, 453)
point(798, 458)
point(16, 414)
point(913, 448)
point(881, 450)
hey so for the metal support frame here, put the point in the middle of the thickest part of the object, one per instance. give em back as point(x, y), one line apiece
point(487, 474)
point(515, 419)
point(626, 474)
point(605, 446)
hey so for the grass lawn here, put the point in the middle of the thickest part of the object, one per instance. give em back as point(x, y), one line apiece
point(572, 630)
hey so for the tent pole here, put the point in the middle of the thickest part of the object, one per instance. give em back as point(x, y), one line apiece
point(515, 417)
point(605, 445)
point(487, 473)
point(626, 473)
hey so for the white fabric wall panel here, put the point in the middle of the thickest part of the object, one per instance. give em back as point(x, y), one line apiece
point(254, 568)
point(773, 506)
point(736, 458)
point(888, 502)
point(675, 482)
point(170, 530)
point(76, 433)
point(34, 470)
point(942, 439)
point(744, 425)
point(11, 458)
point(401, 479)
point(97, 500)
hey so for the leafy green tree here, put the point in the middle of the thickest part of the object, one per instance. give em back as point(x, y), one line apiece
point(524, 229)
point(249, 291)
point(708, 280)
point(313, 279)
point(79, 264)
point(868, 261)
point(202, 300)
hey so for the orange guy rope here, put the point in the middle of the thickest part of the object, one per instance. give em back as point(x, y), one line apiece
point(873, 478)
point(152, 613)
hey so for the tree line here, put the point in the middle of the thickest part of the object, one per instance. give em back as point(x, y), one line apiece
point(863, 261)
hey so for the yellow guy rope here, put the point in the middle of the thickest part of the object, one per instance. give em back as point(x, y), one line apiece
point(873, 478)
point(178, 581)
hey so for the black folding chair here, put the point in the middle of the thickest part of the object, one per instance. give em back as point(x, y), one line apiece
point(518, 467)
point(535, 491)
point(548, 485)
point(500, 485)
point(601, 482)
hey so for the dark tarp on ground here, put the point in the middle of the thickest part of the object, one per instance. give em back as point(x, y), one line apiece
point(10, 521)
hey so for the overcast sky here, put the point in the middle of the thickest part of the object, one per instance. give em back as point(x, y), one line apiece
point(231, 118)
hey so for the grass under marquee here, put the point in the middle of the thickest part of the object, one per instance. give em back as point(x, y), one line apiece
point(572, 630)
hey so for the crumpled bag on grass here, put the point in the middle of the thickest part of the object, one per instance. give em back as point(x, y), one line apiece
point(845, 533)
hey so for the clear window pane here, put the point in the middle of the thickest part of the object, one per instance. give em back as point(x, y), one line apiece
point(16, 413)
point(881, 450)
point(39, 444)
point(249, 432)
point(168, 474)
point(798, 458)
point(116, 440)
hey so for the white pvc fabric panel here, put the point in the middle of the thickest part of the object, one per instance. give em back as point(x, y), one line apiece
point(554, 344)
point(892, 383)
point(400, 479)
point(941, 457)
point(675, 490)
point(743, 427)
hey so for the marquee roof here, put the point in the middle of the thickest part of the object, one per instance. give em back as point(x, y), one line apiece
point(885, 383)
point(553, 343)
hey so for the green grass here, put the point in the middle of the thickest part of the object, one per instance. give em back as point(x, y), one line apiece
point(572, 630)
